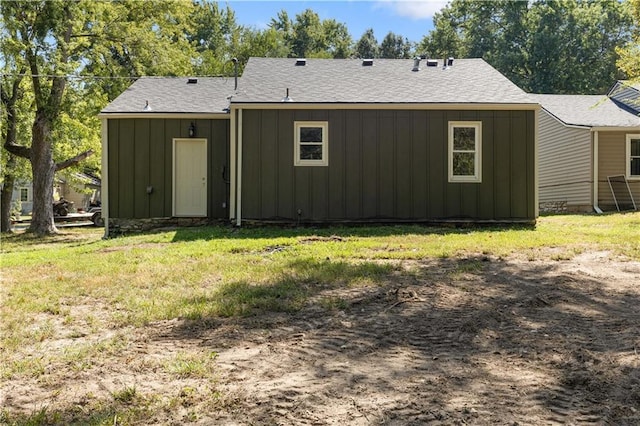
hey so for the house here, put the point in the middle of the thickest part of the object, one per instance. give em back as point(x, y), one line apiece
point(83, 189)
point(323, 141)
point(22, 197)
point(586, 141)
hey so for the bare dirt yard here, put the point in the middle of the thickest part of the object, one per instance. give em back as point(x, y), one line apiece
point(478, 340)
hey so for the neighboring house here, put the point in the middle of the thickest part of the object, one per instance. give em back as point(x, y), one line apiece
point(323, 140)
point(22, 197)
point(586, 139)
point(83, 191)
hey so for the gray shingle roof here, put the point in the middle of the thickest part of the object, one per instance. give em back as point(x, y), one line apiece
point(587, 110)
point(174, 95)
point(387, 81)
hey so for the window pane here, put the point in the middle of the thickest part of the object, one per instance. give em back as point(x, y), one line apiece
point(464, 138)
point(635, 167)
point(635, 147)
point(311, 152)
point(24, 194)
point(463, 164)
point(310, 134)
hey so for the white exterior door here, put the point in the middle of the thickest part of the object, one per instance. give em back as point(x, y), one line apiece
point(190, 177)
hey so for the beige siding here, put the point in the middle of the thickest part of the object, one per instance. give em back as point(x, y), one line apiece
point(565, 163)
point(612, 162)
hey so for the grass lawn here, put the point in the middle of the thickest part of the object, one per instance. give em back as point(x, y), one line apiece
point(70, 303)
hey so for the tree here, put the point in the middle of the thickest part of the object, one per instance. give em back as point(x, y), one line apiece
point(367, 45)
point(308, 36)
point(56, 39)
point(394, 46)
point(545, 46)
point(629, 54)
point(11, 95)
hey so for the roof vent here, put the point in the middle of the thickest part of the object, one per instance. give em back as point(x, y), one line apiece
point(367, 62)
point(416, 64)
point(301, 62)
point(432, 62)
point(192, 81)
point(450, 61)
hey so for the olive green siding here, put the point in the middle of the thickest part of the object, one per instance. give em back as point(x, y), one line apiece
point(386, 165)
point(140, 156)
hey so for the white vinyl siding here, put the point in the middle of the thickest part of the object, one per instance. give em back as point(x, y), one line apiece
point(565, 163)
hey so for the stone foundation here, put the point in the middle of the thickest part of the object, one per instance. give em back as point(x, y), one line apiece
point(553, 207)
point(118, 226)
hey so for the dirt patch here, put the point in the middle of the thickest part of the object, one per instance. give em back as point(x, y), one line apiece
point(447, 341)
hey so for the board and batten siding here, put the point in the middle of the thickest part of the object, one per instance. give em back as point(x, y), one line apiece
point(565, 163)
point(140, 156)
point(386, 165)
point(612, 162)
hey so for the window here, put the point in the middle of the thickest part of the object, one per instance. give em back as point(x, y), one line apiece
point(312, 143)
point(633, 156)
point(24, 195)
point(465, 151)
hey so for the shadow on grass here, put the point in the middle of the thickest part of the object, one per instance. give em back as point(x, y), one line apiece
point(362, 230)
point(299, 280)
point(490, 341)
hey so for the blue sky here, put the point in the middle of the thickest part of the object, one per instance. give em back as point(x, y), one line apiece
point(410, 18)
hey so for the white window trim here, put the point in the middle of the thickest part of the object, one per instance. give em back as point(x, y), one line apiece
point(28, 200)
point(477, 177)
point(628, 157)
point(325, 143)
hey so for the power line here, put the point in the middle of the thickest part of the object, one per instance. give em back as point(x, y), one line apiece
point(98, 77)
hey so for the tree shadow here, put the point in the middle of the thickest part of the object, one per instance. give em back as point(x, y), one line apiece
point(473, 340)
point(327, 231)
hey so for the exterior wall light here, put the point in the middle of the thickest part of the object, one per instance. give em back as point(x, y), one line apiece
point(192, 130)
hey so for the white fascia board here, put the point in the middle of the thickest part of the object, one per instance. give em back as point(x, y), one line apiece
point(387, 106)
point(160, 115)
point(616, 129)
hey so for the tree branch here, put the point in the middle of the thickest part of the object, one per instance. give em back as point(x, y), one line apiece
point(9, 102)
point(73, 160)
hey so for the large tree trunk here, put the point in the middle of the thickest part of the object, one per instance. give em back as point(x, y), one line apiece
point(6, 195)
point(43, 168)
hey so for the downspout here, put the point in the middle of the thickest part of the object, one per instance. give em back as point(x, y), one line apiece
point(536, 178)
point(596, 176)
point(239, 176)
point(232, 160)
point(104, 183)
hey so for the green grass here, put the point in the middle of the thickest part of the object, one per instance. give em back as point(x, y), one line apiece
point(78, 287)
point(221, 271)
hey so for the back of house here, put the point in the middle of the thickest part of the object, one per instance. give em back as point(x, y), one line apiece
point(324, 141)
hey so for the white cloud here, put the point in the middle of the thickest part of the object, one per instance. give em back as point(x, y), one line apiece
point(413, 9)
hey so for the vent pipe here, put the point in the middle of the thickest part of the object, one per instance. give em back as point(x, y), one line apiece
point(287, 98)
point(416, 64)
point(235, 73)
